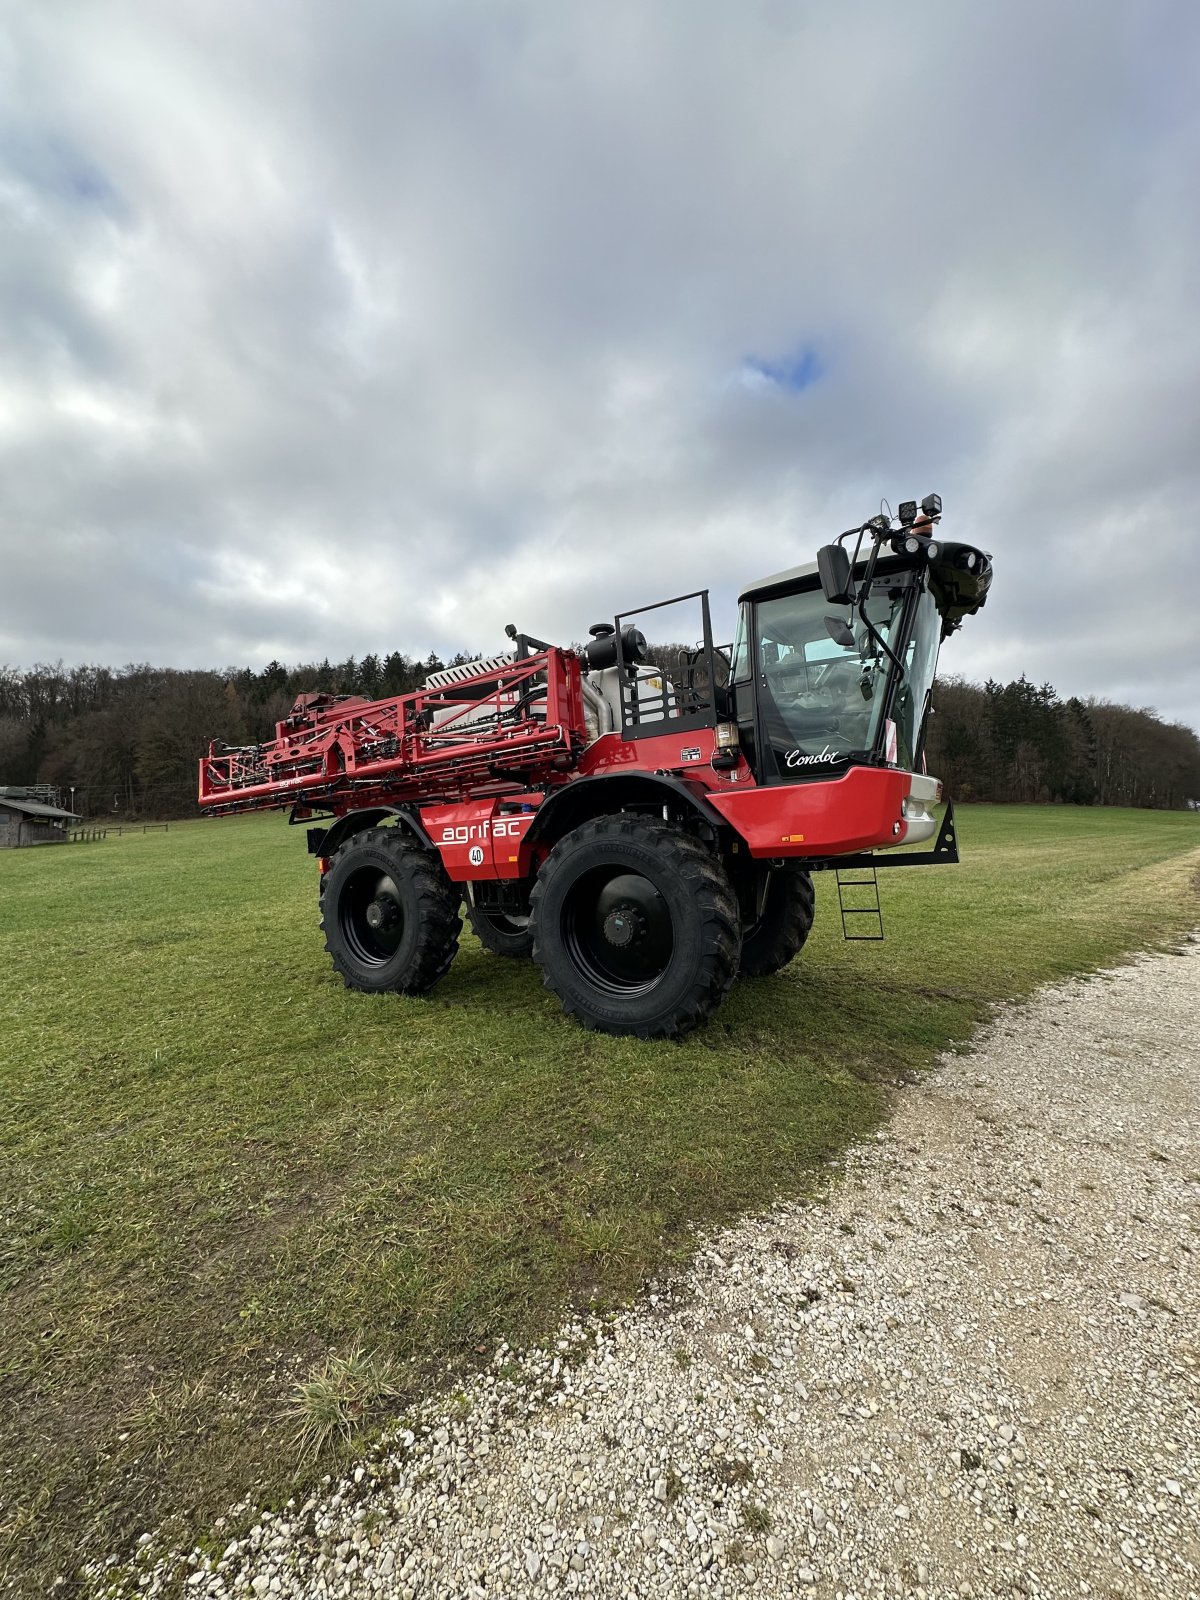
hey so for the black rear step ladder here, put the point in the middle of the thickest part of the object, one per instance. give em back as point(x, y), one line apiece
point(858, 896)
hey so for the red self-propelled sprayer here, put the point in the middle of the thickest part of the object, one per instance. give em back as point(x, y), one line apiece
point(645, 836)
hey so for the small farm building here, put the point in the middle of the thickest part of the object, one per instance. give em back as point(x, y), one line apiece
point(27, 816)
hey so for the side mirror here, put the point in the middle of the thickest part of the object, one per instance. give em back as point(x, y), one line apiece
point(840, 632)
point(833, 564)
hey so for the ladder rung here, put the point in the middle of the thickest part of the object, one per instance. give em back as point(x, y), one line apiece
point(868, 882)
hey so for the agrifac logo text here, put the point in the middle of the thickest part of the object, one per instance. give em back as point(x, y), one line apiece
point(484, 830)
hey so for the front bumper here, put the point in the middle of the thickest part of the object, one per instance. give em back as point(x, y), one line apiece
point(864, 809)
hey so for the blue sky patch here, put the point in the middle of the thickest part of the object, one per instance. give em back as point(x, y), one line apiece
point(87, 183)
point(795, 372)
point(54, 166)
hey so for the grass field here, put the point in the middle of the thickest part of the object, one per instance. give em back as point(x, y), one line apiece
point(218, 1167)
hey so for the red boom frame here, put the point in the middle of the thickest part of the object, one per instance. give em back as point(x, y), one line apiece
point(521, 723)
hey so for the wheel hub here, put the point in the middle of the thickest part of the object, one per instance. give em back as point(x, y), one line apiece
point(383, 912)
point(624, 926)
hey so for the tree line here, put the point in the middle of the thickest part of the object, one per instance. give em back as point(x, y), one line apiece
point(1019, 742)
point(127, 741)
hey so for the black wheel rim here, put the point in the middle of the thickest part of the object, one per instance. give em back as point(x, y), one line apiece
point(617, 929)
point(371, 916)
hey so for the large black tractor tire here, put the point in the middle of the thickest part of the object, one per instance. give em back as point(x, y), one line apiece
point(787, 917)
point(389, 913)
point(498, 931)
point(635, 927)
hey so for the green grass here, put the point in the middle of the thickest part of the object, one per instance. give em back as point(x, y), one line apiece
point(221, 1174)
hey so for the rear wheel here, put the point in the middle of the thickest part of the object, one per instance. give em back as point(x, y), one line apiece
point(783, 924)
point(503, 932)
point(389, 913)
point(635, 927)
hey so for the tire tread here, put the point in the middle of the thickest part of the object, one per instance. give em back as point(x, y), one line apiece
point(785, 925)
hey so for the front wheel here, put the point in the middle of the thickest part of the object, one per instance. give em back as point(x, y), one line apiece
point(635, 927)
point(389, 913)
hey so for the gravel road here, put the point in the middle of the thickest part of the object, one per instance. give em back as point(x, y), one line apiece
point(973, 1371)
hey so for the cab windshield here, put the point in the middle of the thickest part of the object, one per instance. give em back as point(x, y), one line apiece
point(822, 684)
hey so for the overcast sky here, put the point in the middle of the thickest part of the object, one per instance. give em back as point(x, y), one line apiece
point(335, 328)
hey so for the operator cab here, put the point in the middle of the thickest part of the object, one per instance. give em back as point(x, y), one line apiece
point(834, 661)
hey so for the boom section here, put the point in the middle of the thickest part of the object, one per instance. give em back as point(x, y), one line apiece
point(519, 723)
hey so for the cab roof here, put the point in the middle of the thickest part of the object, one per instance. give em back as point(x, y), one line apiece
point(778, 580)
point(799, 577)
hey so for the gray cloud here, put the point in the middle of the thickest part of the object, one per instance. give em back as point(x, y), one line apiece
point(328, 331)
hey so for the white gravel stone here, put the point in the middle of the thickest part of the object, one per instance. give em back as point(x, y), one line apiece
point(972, 1372)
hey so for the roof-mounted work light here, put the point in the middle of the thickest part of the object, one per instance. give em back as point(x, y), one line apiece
point(911, 544)
point(932, 505)
point(908, 512)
